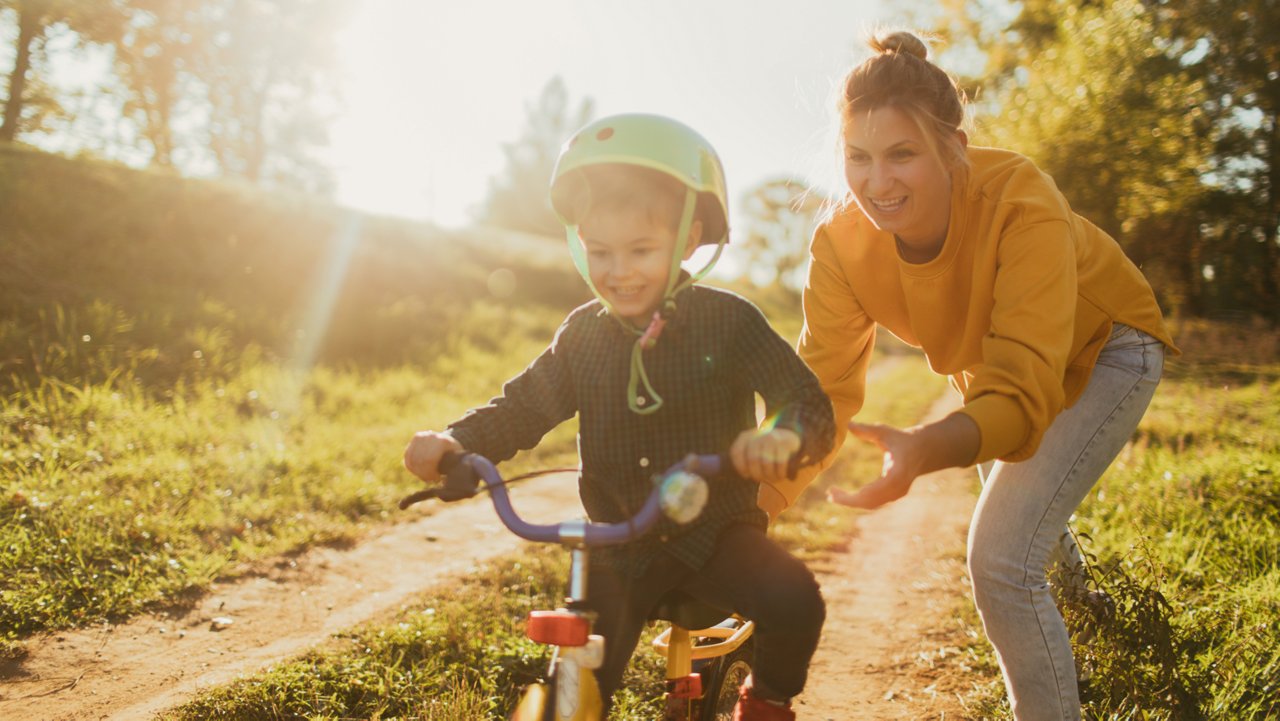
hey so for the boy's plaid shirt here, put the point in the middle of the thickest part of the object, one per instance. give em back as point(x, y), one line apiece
point(712, 358)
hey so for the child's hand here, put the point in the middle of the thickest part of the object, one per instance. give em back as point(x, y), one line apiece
point(763, 456)
point(423, 454)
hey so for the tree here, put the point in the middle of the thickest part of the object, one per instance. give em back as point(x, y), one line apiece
point(781, 215)
point(518, 197)
point(1157, 119)
point(230, 85)
point(1232, 47)
point(265, 72)
point(157, 58)
point(92, 22)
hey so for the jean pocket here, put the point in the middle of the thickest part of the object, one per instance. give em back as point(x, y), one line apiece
point(1119, 330)
point(1127, 349)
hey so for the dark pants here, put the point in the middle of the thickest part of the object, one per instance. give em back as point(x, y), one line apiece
point(749, 574)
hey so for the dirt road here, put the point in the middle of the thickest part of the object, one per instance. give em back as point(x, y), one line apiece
point(134, 670)
point(890, 599)
point(889, 648)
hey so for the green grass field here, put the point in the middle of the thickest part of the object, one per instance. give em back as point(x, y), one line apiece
point(195, 379)
point(460, 652)
point(1183, 537)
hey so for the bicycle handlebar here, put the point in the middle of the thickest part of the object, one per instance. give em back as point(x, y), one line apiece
point(680, 489)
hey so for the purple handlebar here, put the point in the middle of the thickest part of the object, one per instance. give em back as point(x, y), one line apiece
point(583, 532)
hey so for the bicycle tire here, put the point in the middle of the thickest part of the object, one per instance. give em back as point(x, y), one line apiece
point(724, 676)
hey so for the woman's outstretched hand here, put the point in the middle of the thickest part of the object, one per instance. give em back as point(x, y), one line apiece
point(909, 454)
point(897, 473)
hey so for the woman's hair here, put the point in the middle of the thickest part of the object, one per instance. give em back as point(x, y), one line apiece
point(899, 75)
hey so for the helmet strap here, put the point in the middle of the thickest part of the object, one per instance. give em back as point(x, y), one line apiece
point(649, 336)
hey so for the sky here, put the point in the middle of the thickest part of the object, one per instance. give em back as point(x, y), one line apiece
point(432, 90)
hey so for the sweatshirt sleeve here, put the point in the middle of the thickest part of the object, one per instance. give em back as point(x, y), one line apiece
point(838, 336)
point(1017, 391)
point(836, 343)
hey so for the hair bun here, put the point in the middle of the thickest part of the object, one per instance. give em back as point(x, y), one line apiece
point(899, 41)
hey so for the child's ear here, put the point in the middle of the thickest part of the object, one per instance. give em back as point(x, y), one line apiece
point(695, 239)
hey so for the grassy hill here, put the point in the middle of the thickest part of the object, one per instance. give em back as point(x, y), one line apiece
point(195, 375)
point(108, 268)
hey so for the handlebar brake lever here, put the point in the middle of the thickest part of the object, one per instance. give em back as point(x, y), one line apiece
point(461, 482)
point(425, 494)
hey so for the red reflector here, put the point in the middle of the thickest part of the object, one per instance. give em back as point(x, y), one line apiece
point(687, 687)
point(557, 628)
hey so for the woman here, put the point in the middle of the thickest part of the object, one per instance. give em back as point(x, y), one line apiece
point(1049, 331)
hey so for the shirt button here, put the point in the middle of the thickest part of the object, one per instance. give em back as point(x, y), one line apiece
point(644, 462)
point(640, 400)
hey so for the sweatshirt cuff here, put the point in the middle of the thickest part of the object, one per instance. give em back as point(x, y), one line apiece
point(1002, 425)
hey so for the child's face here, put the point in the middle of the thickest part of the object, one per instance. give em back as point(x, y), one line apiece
point(629, 259)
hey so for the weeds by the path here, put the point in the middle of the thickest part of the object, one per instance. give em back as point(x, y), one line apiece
point(114, 500)
point(1183, 542)
point(461, 653)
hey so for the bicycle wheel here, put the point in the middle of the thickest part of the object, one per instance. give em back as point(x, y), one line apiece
point(727, 674)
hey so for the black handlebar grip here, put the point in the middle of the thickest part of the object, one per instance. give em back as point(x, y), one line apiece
point(460, 482)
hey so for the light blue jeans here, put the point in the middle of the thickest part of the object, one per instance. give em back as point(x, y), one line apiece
point(1018, 525)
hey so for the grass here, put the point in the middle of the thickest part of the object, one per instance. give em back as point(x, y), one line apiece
point(195, 379)
point(114, 501)
point(466, 643)
point(196, 376)
point(459, 652)
point(1183, 539)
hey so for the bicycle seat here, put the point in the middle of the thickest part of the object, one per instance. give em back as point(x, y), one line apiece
point(680, 608)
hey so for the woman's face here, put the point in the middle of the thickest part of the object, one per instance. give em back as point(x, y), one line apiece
point(900, 185)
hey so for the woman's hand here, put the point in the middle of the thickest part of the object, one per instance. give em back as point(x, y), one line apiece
point(422, 455)
point(764, 455)
point(950, 442)
point(900, 468)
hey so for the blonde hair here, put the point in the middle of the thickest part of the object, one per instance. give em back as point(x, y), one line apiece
point(899, 75)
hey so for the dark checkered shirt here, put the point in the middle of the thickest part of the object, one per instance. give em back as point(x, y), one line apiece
point(713, 356)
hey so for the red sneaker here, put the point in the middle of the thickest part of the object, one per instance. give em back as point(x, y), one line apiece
point(751, 708)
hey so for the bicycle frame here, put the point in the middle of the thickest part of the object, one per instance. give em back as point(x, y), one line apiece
point(571, 692)
point(686, 692)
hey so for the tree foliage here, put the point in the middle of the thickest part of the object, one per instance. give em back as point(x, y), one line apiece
point(518, 197)
point(1158, 119)
point(780, 215)
point(235, 87)
point(29, 99)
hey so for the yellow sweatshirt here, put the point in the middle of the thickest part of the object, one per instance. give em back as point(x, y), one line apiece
point(1015, 308)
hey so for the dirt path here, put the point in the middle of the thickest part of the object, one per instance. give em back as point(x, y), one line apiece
point(889, 647)
point(135, 670)
point(889, 600)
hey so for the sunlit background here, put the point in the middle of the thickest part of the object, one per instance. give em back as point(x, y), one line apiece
point(1158, 121)
point(433, 89)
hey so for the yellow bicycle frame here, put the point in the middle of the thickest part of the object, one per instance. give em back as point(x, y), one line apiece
point(577, 696)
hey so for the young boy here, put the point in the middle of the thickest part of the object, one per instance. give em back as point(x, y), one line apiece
point(657, 368)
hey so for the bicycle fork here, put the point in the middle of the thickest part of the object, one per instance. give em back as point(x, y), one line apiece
point(572, 693)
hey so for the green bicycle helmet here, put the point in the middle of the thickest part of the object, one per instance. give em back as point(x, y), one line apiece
point(669, 147)
point(651, 141)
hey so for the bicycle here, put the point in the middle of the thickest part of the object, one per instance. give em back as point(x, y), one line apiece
point(701, 642)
